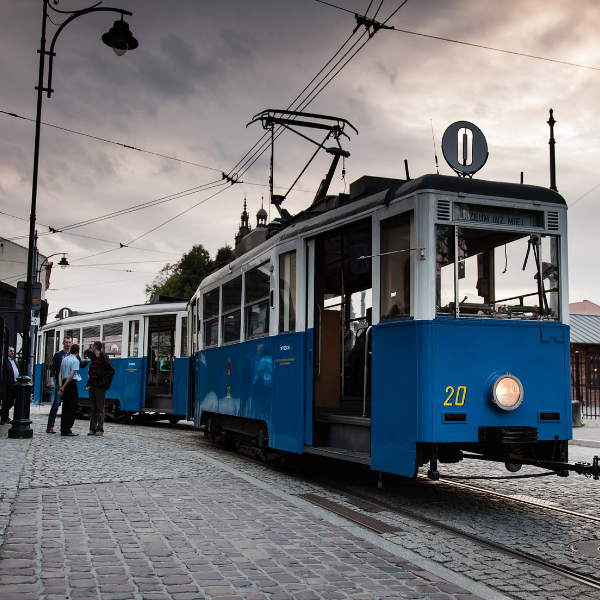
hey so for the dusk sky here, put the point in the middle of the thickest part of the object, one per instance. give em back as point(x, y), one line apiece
point(203, 69)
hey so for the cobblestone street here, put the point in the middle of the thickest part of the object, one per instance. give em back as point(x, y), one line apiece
point(154, 512)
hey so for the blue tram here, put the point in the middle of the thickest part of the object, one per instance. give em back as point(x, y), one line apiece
point(407, 322)
point(148, 347)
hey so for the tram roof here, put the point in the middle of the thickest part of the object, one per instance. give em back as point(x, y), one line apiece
point(115, 313)
point(374, 195)
point(480, 187)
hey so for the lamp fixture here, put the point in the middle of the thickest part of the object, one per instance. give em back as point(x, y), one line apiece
point(119, 38)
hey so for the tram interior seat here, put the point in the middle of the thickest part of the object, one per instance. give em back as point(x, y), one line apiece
point(165, 366)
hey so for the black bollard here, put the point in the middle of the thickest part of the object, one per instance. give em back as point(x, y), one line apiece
point(21, 424)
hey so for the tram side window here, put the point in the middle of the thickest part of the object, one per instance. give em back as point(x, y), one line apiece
point(134, 338)
point(231, 326)
point(287, 291)
point(395, 267)
point(113, 339)
point(184, 336)
point(500, 274)
point(211, 318)
point(74, 334)
point(258, 286)
point(89, 336)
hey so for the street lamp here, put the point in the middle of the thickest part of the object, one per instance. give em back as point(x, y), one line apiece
point(119, 38)
point(63, 263)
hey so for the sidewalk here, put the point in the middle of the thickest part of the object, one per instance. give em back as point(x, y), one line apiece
point(151, 514)
point(588, 435)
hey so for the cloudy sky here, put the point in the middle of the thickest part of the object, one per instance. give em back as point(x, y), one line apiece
point(204, 68)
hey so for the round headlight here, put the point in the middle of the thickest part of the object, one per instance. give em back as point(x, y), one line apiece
point(507, 392)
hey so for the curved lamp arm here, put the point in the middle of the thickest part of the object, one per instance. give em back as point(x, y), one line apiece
point(74, 14)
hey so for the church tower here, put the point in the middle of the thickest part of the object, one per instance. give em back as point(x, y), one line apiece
point(245, 228)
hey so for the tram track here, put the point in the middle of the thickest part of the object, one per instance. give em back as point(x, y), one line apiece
point(367, 503)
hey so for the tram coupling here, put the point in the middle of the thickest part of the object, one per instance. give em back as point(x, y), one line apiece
point(589, 469)
point(560, 468)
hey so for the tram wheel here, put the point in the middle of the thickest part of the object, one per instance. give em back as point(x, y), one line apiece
point(173, 420)
point(118, 415)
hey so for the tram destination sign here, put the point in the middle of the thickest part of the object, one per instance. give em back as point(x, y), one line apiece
point(497, 215)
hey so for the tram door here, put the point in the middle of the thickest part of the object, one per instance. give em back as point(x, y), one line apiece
point(160, 362)
point(342, 315)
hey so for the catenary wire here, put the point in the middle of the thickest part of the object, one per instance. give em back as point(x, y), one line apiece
point(95, 137)
point(101, 283)
point(314, 92)
point(582, 197)
point(443, 39)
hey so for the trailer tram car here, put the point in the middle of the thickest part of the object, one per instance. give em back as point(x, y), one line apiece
point(147, 344)
point(457, 289)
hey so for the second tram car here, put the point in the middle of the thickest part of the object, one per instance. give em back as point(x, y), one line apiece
point(407, 322)
point(148, 347)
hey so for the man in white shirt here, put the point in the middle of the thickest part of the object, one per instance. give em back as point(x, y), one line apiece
point(68, 376)
point(9, 377)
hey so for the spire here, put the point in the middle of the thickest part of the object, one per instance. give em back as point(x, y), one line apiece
point(245, 228)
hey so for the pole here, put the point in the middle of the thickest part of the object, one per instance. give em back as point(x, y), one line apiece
point(21, 427)
point(552, 143)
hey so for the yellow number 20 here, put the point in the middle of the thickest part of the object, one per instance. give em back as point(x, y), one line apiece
point(461, 394)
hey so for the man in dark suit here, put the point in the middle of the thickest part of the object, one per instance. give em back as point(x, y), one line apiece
point(10, 372)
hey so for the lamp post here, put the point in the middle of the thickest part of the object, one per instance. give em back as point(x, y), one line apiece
point(120, 39)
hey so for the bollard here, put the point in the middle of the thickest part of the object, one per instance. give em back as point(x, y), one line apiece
point(576, 412)
point(21, 424)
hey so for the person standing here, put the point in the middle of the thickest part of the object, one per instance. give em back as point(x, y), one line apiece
point(54, 372)
point(68, 376)
point(100, 376)
point(9, 378)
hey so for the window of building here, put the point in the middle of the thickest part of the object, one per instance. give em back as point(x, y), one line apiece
point(113, 338)
point(258, 287)
point(287, 291)
point(232, 311)
point(211, 318)
point(134, 339)
point(395, 267)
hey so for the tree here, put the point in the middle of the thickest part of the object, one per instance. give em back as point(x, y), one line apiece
point(182, 278)
point(224, 255)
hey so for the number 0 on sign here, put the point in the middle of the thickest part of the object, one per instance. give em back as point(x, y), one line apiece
point(464, 147)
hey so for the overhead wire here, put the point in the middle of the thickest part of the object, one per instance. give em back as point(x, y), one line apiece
point(443, 39)
point(323, 83)
point(95, 137)
point(582, 197)
point(101, 283)
point(263, 147)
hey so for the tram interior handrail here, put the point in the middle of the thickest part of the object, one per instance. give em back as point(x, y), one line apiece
point(319, 369)
point(368, 332)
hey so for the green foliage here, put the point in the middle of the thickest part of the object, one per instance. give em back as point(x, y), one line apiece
point(183, 277)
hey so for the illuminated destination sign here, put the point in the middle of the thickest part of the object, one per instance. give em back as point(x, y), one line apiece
point(496, 215)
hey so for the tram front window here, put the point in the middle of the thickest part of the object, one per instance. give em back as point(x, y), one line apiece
point(498, 274)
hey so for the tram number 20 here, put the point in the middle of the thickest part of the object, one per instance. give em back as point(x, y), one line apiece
point(456, 397)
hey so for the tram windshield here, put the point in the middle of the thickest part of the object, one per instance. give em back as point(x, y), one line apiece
point(498, 274)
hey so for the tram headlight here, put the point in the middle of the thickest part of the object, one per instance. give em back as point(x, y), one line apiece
point(507, 392)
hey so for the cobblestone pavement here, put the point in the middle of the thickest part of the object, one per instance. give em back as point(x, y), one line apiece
point(146, 513)
point(92, 509)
